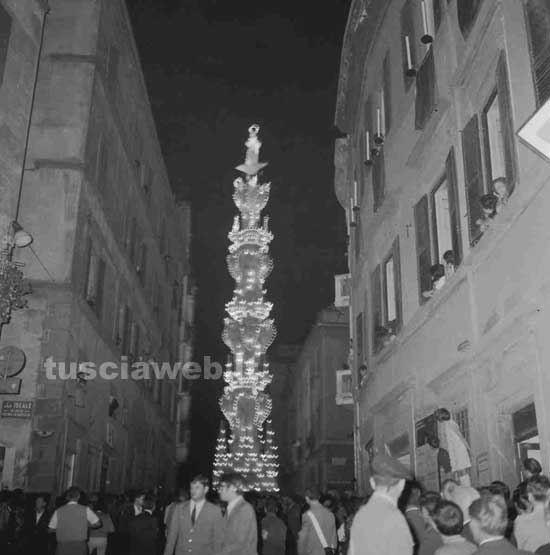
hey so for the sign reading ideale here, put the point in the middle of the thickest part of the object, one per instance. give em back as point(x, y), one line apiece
point(16, 409)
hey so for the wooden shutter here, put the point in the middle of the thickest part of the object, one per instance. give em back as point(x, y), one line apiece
point(5, 34)
point(407, 30)
point(100, 288)
point(454, 213)
point(473, 175)
point(425, 91)
point(359, 338)
point(387, 93)
point(378, 178)
point(376, 303)
point(397, 279)
point(88, 262)
point(538, 24)
point(357, 236)
point(507, 125)
point(423, 246)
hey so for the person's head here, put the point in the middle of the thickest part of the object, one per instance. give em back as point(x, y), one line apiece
point(447, 489)
point(271, 506)
point(449, 257)
point(521, 499)
point(41, 502)
point(538, 487)
point(489, 204)
point(437, 271)
point(97, 502)
point(531, 467)
point(73, 494)
point(428, 502)
point(388, 475)
point(442, 415)
point(232, 485)
point(199, 488)
point(312, 495)
point(489, 517)
point(180, 495)
point(149, 503)
point(500, 187)
point(139, 498)
point(411, 494)
point(433, 441)
point(448, 518)
point(500, 488)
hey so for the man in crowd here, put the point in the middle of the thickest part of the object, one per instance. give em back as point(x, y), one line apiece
point(318, 527)
point(179, 497)
point(196, 526)
point(273, 530)
point(489, 519)
point(379, 526)
point(449, 521)
point(144, 529)
point(36, 526)
point(241, 529)
point(70, 524)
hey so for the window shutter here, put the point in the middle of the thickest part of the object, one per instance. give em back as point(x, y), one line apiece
point(87, 279)
point(5, 33)
point(423, 254)
point(376, 303)
point(425, 91)
point(359, 337)
point(438, 13)
point(397, 278)
point(100, 288)
point(473, 175)
point(407, 30)
point(378, 178)
point(505, 107)
point(387, 94)
point(538, 23)
point(454, 206)
point(357, 236)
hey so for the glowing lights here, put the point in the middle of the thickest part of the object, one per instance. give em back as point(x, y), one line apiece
point(248, 332)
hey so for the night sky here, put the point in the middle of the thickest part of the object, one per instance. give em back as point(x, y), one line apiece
point(212, 68)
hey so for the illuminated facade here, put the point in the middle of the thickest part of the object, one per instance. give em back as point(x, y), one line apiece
point(248, 332)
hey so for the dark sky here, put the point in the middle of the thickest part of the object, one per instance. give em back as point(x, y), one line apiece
point(212, 68)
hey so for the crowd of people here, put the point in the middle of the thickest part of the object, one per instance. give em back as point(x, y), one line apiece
point(398, 518)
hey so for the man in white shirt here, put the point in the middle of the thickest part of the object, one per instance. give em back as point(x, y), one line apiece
point(70, 524)
point(195, 526)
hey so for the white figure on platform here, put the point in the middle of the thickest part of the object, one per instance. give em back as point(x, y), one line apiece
point(455, 444)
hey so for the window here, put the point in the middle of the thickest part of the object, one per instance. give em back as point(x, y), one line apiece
point(425, 91)
point(538, 25)
point(437, 7)
point(357, 235)
point(473, 175)
point(344, 387)
point(408, 43)
point(5, 33)
point(386, 96)
point(467, 12)
point(441, 244)
point(497, 151)
point(134, 340)
point(378, 178)
point(423, 247)
point(386, 302)
point(95, 280)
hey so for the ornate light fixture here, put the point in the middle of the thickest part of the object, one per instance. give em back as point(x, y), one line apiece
point(248, 333)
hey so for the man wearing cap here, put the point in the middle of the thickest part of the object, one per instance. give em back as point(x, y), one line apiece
point(379, 527)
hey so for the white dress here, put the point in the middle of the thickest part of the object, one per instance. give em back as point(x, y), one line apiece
point(456, 446)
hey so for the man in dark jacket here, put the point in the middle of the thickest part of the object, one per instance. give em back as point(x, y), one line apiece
point(241, 529)
point(36, 526)
point(144, 530)
point(273, 531)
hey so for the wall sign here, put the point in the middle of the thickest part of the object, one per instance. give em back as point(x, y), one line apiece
point(16, 409)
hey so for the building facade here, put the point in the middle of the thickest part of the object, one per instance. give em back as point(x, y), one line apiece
point(109, 265)
point(447, 220)
point(318, 448)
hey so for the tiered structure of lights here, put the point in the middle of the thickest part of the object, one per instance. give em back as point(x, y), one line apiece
point(248, 333)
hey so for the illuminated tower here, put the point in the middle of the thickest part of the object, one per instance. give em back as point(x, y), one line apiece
point(248, 333)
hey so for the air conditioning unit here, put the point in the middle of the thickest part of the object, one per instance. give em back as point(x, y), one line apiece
point(342, 289)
